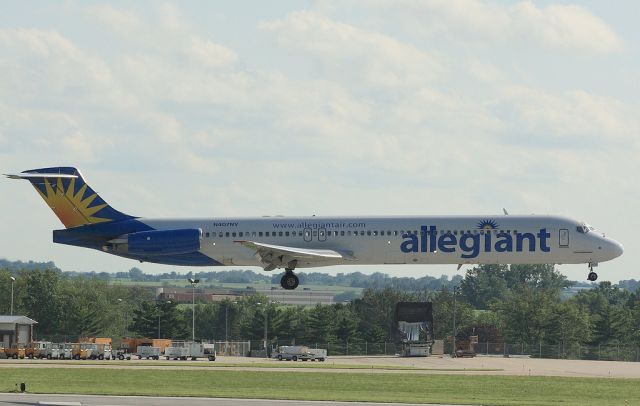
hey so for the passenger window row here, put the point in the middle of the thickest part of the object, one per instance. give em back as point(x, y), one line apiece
point(349, 233)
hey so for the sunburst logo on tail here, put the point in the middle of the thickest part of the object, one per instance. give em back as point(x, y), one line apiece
point(71, 206)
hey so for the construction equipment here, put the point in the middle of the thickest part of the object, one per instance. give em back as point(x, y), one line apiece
point(465, 346)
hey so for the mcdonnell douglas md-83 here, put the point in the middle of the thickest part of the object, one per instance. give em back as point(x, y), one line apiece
point(306, 242)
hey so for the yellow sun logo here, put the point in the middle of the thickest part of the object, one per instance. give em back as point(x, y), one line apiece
point(73, 209)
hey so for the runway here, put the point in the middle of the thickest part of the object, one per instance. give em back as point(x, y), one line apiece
point(22, 399)
point(374, 365)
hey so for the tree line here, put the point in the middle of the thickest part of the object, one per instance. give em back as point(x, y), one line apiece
point(518, 303)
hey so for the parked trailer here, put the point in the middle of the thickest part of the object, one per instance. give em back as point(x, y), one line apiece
point(292, 353)
point(189, 349)
point(317, 354)
point(148, 352)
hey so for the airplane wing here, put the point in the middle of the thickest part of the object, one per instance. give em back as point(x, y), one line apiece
point(273, 256)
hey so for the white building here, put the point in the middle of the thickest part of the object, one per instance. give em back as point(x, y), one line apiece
point(16, 331)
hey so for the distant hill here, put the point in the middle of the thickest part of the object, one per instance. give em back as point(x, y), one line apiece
point(30, 265)
point(353, 279)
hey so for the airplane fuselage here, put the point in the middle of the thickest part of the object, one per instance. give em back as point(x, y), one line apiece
point(404, 239)
point(305, 242)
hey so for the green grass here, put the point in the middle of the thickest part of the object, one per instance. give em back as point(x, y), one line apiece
point(362, 386)
point(260, 364)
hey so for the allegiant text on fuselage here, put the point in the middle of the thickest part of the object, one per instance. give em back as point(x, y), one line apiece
point(470, 244)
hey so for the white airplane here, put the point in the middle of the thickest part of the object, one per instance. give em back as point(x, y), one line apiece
point(306, 242)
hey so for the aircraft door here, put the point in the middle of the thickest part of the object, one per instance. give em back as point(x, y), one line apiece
point(322, 234)
point(307, 234)
point(563, 238)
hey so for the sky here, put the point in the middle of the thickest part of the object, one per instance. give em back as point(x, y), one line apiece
point(407, 107)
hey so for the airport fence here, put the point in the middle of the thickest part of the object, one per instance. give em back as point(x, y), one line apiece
point(354, 348)
point(534, 350)
point(560, 351)
point(232, 348)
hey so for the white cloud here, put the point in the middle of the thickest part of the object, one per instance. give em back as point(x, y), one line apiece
point(209, 54)
point(355, 54)
point(119, 20)
point(563, 27)
point(170, 18)
point(578, 114)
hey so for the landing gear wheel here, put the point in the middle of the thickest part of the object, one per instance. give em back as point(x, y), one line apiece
point(592, 276)
point(289, 281)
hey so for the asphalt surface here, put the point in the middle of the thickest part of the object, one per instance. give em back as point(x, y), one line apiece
point(22, 399)
point(480, 365)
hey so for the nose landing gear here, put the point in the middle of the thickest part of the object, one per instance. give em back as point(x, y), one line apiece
point(592, 275)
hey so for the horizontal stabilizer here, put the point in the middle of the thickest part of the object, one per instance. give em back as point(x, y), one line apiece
point(39, 175)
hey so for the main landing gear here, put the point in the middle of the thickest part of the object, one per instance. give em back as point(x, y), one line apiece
point(592, 275)
point(289, 280)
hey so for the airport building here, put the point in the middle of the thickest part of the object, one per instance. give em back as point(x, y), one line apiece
point(16, 331)
point(305, 297)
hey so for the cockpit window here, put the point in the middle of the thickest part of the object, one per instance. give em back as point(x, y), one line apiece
point(584, 228)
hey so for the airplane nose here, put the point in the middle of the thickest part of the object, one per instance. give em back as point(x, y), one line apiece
point(617, 249)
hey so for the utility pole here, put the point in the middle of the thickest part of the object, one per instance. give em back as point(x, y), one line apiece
point(193, 283)
point(453, 348)
point(266, 321)
point(13, 280)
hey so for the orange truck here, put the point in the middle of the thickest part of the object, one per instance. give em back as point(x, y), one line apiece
point(15, 352)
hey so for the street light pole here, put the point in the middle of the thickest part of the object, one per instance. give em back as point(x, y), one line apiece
point(226, 325)
point(158, 305)
point(453, 349)
point(266, 321)
point(193, 282)
point(13, 280)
